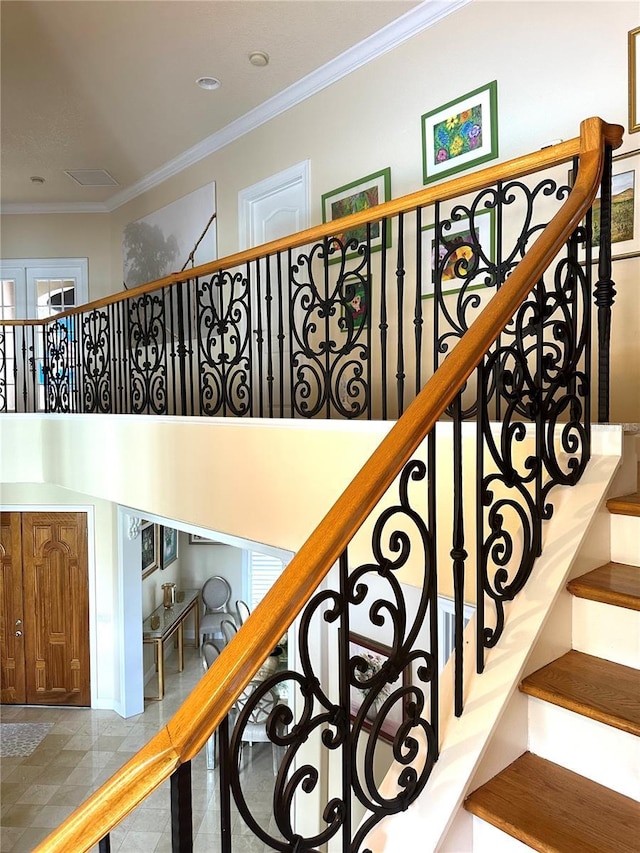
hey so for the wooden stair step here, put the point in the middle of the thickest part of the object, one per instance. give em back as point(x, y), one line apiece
point(625, 505)
point(594, 687)
point(553, 809)
point(613, 583)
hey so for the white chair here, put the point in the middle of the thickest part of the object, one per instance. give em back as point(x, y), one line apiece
point(209, 654)
point(216, 593)
point(229, 629)
point(255, 729)
point(243, 610)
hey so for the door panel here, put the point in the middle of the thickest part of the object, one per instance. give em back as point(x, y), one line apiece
point(12, 678)
point(56, 598)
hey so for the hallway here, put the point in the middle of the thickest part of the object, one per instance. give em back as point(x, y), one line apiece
point(83, 748)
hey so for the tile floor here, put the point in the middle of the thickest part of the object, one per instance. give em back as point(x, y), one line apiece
point(84, 748)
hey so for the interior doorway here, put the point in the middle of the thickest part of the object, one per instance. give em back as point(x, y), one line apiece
point(44, 607)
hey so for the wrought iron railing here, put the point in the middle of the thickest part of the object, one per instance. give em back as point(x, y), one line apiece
point(520, 374)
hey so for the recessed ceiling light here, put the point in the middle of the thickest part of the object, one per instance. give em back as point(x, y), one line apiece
point(36, 179)
point(208, 82)
point(259, 58)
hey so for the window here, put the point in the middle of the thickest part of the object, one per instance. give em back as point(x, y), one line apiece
point(262, 572)
point(446, 628)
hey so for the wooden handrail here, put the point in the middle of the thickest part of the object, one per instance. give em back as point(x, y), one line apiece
point(211, 700)
point(518, 167)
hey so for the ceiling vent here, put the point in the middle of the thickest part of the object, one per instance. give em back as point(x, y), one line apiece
point(92, 177)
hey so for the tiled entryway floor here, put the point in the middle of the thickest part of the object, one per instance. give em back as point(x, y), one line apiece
point(83, 748)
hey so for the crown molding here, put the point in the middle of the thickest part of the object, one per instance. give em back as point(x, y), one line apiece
point(394, 34)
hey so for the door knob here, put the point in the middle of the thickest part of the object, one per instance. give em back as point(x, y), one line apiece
point(18, 633)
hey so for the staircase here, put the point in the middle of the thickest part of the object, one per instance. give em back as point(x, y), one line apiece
point(577, 789)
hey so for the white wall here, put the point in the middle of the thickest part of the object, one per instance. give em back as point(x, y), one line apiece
point(554, 68)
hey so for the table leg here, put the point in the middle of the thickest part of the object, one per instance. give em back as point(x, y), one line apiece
point(181, 646)
point(196, 623)
point(160, 653)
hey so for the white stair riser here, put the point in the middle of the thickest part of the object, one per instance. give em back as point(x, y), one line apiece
point(489, 839)
point(605, 631)
point(625, 539)
point(600, 752)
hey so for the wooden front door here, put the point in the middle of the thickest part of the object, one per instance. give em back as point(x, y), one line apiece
point(55, 599)
point(12, 683)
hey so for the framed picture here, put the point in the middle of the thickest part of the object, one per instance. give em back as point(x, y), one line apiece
point(625, 208)
point(357, 305)
point(457, 244)
point(195, 539)
point(460, 134)
point(373, 655)
point(634, 78)
point(354, 198)
point(149, 536)
point(169, 539)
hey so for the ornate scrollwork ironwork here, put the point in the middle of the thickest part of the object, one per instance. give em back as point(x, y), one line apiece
point(96, 359)
point(57, 367)
point(224, 327)
point(393, 704)
point(147, 353)
point(329, 316)
point(4, 380)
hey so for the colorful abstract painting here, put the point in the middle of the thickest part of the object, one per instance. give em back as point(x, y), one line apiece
point(458, 134)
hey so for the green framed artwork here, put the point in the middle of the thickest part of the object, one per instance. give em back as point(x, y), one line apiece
point(354, 198)
point(356, 304)
point(460, 134)
point(625, 208)
point(457, 253)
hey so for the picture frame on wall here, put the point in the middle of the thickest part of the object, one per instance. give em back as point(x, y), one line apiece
point(357, 291)
point(634, 80)
point(356, 197)
point(169, 539)
point(196, 539)
point(374, 655)
point(625, 208)
point(459, 244)
point(460, 134)
point(149, 547)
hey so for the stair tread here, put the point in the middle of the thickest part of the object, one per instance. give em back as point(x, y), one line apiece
point(591, 686)
point(553, 809)
point(625, 504)
point(612, 583)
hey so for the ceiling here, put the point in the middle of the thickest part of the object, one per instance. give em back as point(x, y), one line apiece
point(110, 84)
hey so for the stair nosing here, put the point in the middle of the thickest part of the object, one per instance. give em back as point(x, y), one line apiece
point(584, 587)
point(532, 687)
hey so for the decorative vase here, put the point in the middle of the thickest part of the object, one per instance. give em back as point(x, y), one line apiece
point(168, 594)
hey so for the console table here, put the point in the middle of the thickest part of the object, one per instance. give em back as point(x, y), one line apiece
point(171, 621)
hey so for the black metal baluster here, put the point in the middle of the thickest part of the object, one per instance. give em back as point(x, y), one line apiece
point(434, 272)
point(499, 282)
point(45, 369)
point(432, 513)
point(182, 350)
point(324, 309)
point(224, 760)
point(280, 336)
point(259, 341)
point(181, 812)
point(482, 419)
point(188, 346)
point(605, 291)
point(384, 325)
point(458, 553)
point(417, 314)
point(24, 370)
point(104, 845)
point(539, 416)
point(400, 274)
point(270, 375)
point(344, 693)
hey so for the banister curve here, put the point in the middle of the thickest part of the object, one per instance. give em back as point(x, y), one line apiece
point(188, 730)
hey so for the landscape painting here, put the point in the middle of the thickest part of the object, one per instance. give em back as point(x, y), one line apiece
point(162, 242)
